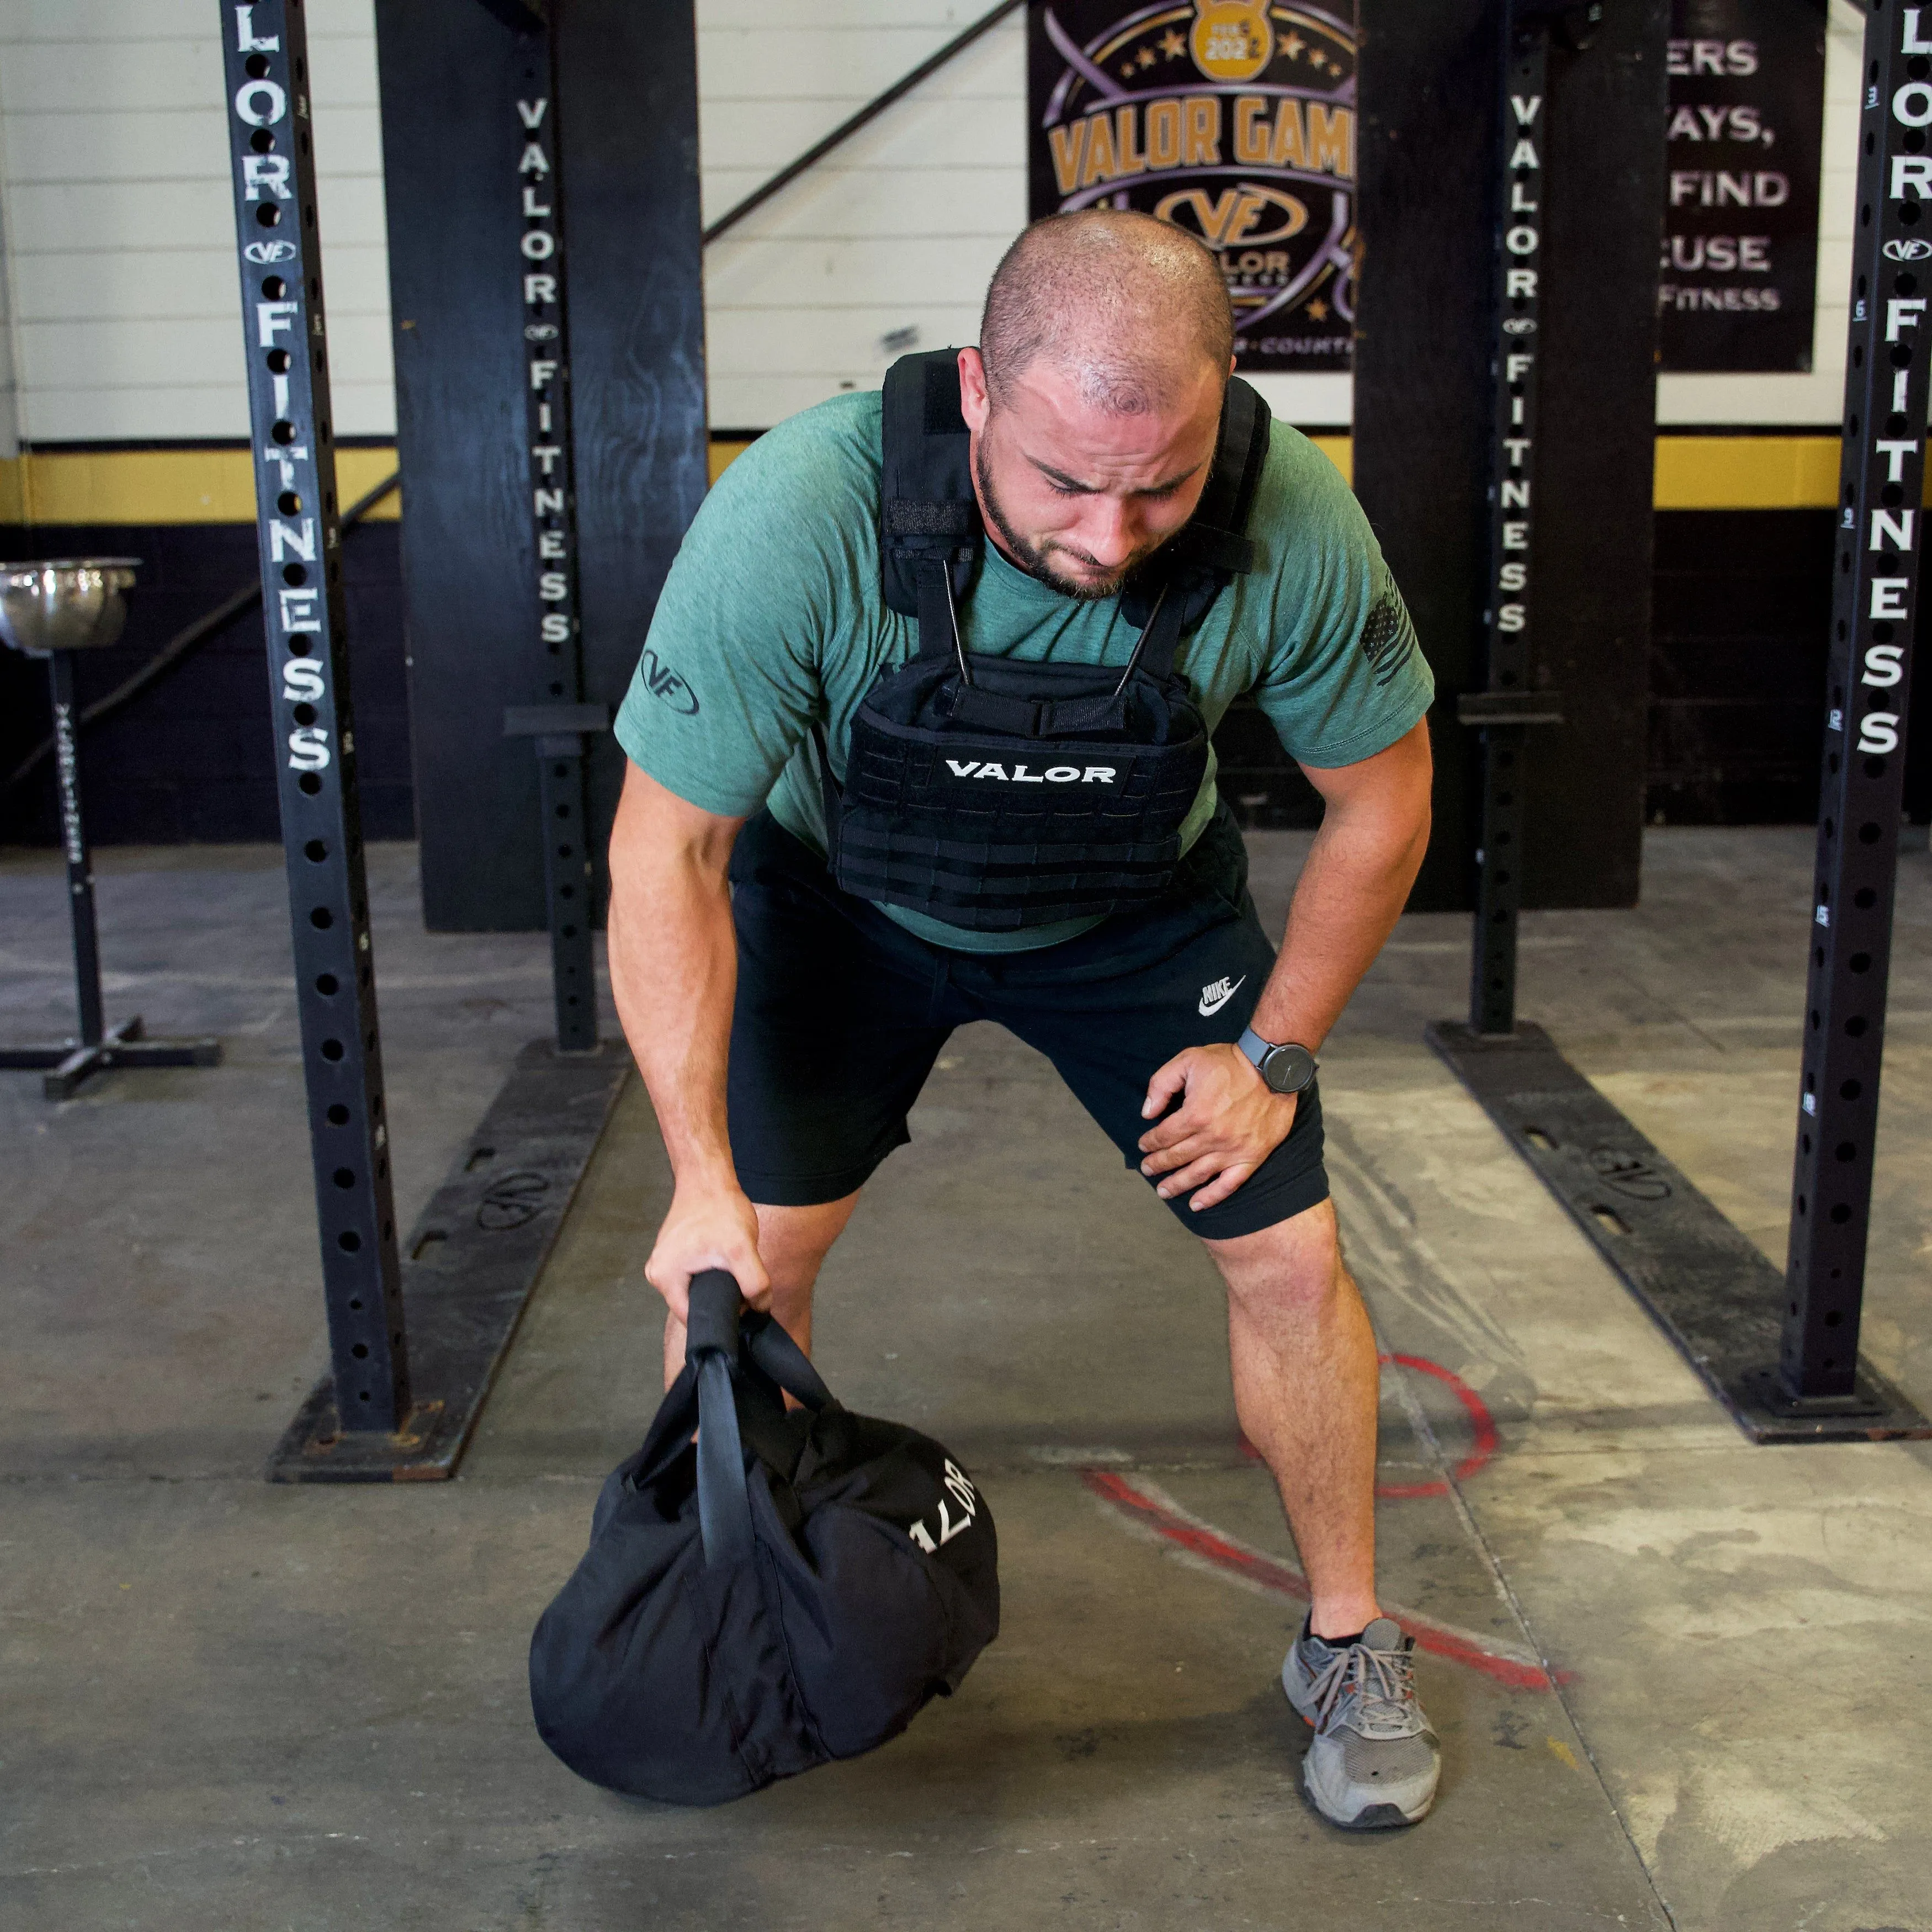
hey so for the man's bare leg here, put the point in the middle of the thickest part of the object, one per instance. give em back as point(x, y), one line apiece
point(1306, 1390)
point(793, 1242)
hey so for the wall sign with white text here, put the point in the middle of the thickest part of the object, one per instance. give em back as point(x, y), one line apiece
point(1743, 139)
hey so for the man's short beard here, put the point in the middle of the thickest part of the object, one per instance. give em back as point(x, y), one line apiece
point(1033, 559)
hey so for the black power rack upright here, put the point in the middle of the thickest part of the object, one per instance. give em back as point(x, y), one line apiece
point(417, 1329)
point(560, 727)
point(285, 332)
point(1874, 609)
point(1780, 1352)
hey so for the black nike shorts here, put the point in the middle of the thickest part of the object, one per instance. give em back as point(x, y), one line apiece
point(841, 1014)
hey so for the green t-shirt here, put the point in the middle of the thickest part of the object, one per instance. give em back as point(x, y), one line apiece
point(773, 617)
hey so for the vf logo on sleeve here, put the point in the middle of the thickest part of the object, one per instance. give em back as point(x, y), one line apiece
point(663, 683)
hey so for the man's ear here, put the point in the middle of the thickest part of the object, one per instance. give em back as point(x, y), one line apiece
point(975, 404)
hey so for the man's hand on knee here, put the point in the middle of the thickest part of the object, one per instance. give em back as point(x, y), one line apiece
point(708, 1227)
point(1228, 1124)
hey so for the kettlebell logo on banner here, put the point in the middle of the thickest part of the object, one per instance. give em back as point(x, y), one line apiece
point(1231, 39)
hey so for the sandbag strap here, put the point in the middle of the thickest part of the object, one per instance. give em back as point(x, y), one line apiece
point(773, 1351)
point(723, 1503)
point(711, 1349)
point(669, 1433)
point(717, 1325)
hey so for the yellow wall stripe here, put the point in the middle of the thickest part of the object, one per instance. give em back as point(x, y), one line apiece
point(1340, 451)
point(163, 486)
point(724, 451)
point(1746, 472)
point(217, 486)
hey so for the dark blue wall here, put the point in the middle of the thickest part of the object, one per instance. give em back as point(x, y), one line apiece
point(192, 758)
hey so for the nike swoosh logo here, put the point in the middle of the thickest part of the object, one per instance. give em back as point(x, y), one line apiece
point(1210, 1007)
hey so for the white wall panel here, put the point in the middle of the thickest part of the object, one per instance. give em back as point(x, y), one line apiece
point(120, 227)
point(155, 415)
point(152, 19)
point(757, 138)
point(132, 285)
point(80, 217)
point(809, 339)
point(942, 17)
point(195, 352)
point(909, 218)
point(131, 146)
point(126, 145)
point(928, 202)
point(786, 60)
point(755, 401)
point(1316, 403)
point(890, 271)
point(53, 76)
point(9, 395)
point(177, 69)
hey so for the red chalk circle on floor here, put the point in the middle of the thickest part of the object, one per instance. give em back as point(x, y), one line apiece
point(1482, 1431)
point(1482, 1428)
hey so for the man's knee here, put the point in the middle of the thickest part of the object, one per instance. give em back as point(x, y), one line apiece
point(793, 1242)
point(1294, 1267)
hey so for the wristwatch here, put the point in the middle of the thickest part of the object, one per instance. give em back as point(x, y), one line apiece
point(1289, 1069)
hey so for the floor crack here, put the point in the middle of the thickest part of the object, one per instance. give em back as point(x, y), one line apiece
point(1425, 1431)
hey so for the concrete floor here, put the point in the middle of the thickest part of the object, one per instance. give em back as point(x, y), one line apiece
point(234, 1706)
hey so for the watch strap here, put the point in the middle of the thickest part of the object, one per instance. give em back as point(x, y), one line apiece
point(1260, 1052)
point(1256, 1048)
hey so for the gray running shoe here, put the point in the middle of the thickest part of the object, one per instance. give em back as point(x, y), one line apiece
point(1374, 1761)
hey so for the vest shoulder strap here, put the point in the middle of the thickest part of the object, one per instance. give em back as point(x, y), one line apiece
point(1198, 562)
point(928, 512)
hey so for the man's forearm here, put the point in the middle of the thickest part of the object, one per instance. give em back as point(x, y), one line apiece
point(1351, 893)
point(673, 973)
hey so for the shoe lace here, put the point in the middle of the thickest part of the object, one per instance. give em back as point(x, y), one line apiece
point(1381, 1682)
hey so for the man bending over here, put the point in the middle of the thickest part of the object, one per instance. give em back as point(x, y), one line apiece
point(785, 1024)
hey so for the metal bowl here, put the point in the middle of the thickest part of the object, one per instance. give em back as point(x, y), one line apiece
point(64, 603)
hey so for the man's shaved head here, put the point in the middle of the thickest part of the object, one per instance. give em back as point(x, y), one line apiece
point(1095, 397)
point(1129, 306)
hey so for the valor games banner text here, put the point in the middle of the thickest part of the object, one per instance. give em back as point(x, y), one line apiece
point(1234, 119)
point(1745, 135)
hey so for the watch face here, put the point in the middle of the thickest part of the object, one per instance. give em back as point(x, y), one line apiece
point(1289, 1068)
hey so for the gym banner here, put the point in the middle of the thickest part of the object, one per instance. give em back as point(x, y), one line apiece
point(1234, 119)
point(1744, 139)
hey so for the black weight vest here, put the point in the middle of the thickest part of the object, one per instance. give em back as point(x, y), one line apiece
point(997, 795)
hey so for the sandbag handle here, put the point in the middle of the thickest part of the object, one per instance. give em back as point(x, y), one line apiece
point(710, 1353)
point(719, 1320)
point(720, 1332)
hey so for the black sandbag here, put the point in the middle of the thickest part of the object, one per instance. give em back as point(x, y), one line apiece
point(793, 1587)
